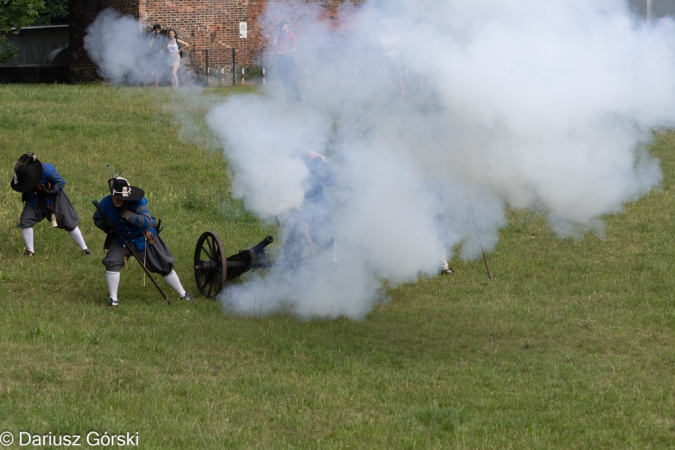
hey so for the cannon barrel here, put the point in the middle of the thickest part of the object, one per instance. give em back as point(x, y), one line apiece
point(252, 258)
point(262, 244)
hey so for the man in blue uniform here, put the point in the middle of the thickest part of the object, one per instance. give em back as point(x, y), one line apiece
point(128, 213)
point(311, 224)
point(41, 187)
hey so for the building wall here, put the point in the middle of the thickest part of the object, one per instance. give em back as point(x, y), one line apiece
point(195, 21)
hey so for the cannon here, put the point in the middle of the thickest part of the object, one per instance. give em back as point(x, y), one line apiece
point(213, 269)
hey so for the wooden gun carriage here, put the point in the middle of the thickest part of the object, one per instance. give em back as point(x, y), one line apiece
point(213, 269)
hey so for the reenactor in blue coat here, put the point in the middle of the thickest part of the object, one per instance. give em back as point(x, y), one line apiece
point(41, 187)
point(126, 210)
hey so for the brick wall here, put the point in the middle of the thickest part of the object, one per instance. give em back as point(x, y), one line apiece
point(195, 20)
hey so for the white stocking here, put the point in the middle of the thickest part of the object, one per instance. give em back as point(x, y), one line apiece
point(173, 281)
point(113, 280)
point(28, 238)
point(76, 234)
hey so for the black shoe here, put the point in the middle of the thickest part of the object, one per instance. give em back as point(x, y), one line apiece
point(112, 302)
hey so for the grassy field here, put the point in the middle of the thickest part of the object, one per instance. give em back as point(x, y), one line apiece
point(570, 345)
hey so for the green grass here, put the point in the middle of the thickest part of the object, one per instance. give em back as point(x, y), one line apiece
point(570, 345)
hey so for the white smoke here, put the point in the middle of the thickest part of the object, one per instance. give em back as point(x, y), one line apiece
point(268, 167)
point(118, 45)
point(527, 104)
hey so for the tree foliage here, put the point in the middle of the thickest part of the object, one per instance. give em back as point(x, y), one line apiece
point(19, 13)
point(16, 14)
point(55, 12)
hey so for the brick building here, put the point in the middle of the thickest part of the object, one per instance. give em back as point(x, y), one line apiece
point(195, 22)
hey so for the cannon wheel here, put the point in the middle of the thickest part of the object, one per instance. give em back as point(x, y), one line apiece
point(210, 264)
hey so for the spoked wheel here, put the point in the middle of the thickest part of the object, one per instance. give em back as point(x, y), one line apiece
point(210, 264)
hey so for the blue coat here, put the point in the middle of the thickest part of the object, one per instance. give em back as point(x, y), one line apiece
point(49, 174)
point(131, 229)
point(320, 175)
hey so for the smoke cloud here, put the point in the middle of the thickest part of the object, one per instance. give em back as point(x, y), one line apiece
point(118, 45)
point(522, 104)
point(526, 104)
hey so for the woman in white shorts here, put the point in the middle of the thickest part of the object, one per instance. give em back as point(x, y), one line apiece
point(173, 49)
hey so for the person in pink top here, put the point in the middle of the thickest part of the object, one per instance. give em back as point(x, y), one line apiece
point(286, 45)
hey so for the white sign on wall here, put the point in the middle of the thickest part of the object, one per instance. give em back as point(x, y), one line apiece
point(243, 30)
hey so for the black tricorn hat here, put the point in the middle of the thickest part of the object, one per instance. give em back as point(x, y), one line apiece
point(122, 190)
point(27, 173)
